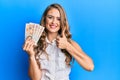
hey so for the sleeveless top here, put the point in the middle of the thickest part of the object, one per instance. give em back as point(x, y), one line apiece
point(55, 67)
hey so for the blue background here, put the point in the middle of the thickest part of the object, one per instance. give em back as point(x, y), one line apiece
point(94, 24)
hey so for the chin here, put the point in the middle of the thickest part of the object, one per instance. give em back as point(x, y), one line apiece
point(53, 31)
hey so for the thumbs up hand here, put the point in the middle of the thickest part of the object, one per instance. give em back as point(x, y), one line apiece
point(62, 41)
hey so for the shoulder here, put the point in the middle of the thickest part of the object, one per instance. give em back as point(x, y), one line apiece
point(75, 44)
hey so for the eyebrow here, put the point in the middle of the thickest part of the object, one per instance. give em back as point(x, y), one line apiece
point(52, 16)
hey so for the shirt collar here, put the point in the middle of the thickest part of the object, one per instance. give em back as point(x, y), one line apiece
point(53, 41)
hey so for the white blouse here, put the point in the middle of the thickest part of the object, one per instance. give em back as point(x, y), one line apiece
point(55, 67)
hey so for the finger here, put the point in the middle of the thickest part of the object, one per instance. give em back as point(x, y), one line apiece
point(57, 42)
point(28, 48)
point(57, 45)
point(27, 42)
point(28, 38)
point(58, 37)
point(29, 45)
point(32, 46)
point(25, 45)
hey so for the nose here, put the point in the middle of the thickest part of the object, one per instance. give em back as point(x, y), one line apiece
point(54, 20)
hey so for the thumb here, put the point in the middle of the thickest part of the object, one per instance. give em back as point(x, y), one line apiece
point(63, 32)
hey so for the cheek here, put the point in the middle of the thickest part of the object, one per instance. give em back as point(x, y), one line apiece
point(47, 22)
point(59, 23)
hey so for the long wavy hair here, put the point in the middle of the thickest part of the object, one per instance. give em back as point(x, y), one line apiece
point(63, 24)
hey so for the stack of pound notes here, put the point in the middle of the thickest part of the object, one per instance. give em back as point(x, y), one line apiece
point(34, 31)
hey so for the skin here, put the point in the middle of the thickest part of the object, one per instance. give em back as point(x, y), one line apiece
point(53, 26)
point(52, 23)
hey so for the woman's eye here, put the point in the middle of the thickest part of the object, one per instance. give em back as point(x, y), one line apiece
point(50, 17)
point(58, 19)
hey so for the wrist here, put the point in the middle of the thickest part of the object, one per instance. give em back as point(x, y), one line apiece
point(67, 45)
point(32, 53)
point(31, 56)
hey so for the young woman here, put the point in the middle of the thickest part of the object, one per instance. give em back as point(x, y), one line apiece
point(51, 58)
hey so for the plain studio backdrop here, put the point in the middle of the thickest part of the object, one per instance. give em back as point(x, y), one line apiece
point(94, 24)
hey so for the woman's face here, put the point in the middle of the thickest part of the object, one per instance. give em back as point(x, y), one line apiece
point(53, 21)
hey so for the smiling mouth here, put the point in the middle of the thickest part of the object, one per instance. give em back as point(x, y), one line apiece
point(53, 26)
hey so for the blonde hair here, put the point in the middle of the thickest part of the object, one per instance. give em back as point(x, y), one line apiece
point(63, 24)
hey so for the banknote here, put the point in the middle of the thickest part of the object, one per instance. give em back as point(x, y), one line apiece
point(34, 31)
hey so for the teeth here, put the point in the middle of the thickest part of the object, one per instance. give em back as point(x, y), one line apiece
point(53, 26)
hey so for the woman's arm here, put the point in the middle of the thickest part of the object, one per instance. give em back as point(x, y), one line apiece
point(84, 60)
point(34, 69)
point(74, 49)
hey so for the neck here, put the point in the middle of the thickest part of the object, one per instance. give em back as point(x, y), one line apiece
point(51, 36)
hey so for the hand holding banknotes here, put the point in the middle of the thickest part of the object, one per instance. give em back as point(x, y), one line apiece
point(29, 46)
point(33, 33)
